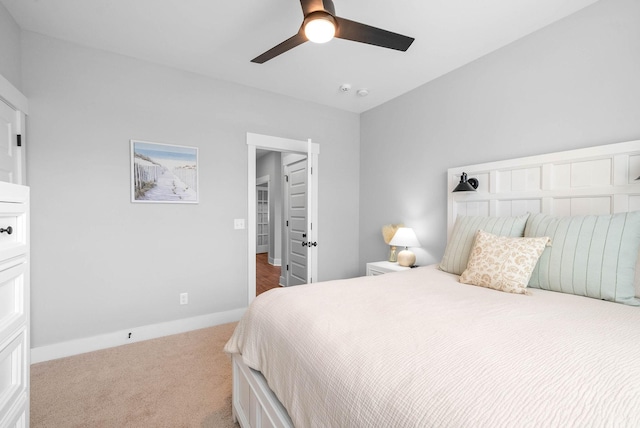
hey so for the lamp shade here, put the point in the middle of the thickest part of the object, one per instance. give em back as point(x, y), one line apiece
point(465, 185)
point(405, 237)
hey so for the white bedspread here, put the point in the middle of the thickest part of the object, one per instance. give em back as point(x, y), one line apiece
point(417, 348)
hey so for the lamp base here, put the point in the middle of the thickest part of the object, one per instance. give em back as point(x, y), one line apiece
point(406, 258)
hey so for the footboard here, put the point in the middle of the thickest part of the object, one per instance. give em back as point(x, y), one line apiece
point(254, 404)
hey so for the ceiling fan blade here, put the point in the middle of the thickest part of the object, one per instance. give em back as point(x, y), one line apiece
point(309, 6)
point(357, 32)
point(288, 44)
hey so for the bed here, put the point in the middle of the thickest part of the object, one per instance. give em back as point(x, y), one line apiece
point(422, 348)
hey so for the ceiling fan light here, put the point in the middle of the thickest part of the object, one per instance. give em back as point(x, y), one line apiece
point(319, 28)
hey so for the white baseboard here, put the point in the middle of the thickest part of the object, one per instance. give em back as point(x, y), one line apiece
point(138, 334)
point(275, 262)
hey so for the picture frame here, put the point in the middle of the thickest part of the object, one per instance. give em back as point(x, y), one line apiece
point(163, 173)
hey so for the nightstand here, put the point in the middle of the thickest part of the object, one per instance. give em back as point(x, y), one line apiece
point(379, 268)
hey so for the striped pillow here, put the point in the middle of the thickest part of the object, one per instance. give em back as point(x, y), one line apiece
point(637, 280)
point(456, 255)
point(593, 256)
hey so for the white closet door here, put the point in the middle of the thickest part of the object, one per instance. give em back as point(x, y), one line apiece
point(296, 226)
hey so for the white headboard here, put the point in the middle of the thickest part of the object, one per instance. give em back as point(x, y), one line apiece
point(594, 180)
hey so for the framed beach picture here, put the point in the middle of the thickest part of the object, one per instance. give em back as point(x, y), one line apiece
point(163, 173)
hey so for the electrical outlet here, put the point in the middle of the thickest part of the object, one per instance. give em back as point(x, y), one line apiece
point(184, 298)
point(238, 223)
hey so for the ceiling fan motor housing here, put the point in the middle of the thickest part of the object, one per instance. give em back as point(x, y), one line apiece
point(319, 15)
point(329, 7)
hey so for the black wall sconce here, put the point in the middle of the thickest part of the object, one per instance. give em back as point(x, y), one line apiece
point(467, 185)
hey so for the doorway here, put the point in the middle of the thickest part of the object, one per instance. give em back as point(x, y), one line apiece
point(268, 219)
point(311, 151)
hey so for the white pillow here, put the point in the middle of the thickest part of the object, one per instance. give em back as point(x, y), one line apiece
point(503, 263)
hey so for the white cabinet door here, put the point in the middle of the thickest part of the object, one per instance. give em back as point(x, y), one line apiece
point(14, 305)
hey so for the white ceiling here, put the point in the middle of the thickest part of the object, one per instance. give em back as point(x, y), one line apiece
point(219, 39)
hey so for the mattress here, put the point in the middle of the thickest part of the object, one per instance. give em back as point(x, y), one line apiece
point(418, 348)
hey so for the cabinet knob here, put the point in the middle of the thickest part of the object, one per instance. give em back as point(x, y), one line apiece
point(9, 230)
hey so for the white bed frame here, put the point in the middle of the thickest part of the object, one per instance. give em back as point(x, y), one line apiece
point(595, 180)
point(254, 404)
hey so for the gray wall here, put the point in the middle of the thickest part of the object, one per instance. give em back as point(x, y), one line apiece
point(271, 165)
point(101, 263)
point(10, 64)
point(573, 84)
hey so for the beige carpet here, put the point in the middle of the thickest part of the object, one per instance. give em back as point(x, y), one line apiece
point(176, 381)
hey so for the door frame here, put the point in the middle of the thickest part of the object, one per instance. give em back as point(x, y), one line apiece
point(277, 144)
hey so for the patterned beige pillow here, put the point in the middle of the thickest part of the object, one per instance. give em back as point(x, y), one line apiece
point(503, 263)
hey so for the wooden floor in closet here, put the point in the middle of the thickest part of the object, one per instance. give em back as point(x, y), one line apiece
point(267, 276)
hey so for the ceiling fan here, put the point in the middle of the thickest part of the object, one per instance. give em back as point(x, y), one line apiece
point(321, 25)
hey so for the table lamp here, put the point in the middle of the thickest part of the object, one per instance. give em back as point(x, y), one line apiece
point(405, 237)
